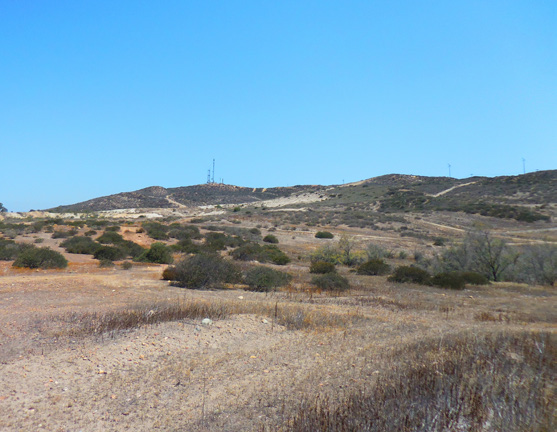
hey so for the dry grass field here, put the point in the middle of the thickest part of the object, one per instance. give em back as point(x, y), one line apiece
point(96, 349)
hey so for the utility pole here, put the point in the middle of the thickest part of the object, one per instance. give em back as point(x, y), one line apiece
point(213, 171)
point(449, 170)
point(523, 166)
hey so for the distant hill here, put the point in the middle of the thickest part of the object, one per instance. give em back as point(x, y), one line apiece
point(505, 196)
point(198, 195)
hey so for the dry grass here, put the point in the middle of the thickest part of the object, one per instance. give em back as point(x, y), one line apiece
point(502, 382)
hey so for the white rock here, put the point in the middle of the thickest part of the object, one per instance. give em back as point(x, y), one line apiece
point(207, 322)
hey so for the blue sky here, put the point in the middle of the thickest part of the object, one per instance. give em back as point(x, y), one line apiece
point(100, 97)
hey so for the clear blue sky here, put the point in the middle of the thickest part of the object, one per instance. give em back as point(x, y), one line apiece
point(100, 97)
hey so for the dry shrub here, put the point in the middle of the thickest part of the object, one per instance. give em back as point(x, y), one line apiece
point(498, 382)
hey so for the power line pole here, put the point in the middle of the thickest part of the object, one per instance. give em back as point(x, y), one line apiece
point(449, 170)
point(213, 171)
point(523, 166)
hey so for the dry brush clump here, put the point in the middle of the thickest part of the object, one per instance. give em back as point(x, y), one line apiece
point(501, 382)
point(147, 314)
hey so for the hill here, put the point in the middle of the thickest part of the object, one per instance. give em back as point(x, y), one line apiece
point(522, 197)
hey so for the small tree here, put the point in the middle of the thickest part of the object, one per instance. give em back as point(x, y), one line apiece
point(538, 264)
point(2, 208)
point(491, 254)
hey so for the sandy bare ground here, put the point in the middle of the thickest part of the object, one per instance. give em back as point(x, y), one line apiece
point(241, 373)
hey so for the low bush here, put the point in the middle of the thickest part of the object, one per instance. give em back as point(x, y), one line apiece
point(105, 263)
point(474, 278)
point(256, 252)
point(219, 241)
point(324, 235)
point(10, 250)
point(170, 273)
point(332, 282)
point(158, 253)
point(80, 245)
point(322, 267)
point(374, 267)
point(265, 279)
point(44, 258)
point(111, 253)
point(377, 252)
point(410, 274)
point(110, 237)
point(205, 271)
point(451, 280)
point(63, 234)
point(270, 238)
point(156, 230)
point(126, 265)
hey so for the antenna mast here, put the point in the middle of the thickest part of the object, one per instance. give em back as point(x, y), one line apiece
point(213, 180)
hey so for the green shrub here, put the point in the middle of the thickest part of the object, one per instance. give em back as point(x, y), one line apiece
point(206, 271)
point(130, 248)
point(126, 265)
point(182, 232)
point(90, 233)
point(109, 253)
point(80, 245)
point(110, 237)
point(322, 267)
point(331, 282)
point(324, 235)
point(186, 246)
point(256, 252)
point(63, 234)
point(105, 263)
point(218, 241)
point(44, 258)
point(10, 250)
point(275, 255)
point(374, 267)
point(451, 280)
point(474, 278)
point(410, 274)
point(156, 230)
point(158, 253)
point(265, 279)
point(114, 228)
point(270, 238)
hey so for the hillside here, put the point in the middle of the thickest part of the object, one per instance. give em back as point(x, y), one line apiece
point(522, 197)
point(197, 195)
